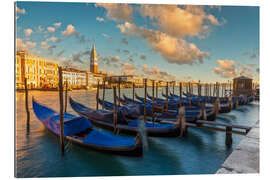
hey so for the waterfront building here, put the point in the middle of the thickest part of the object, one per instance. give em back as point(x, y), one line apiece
point(91, 80)
point(76, 78)
point(242, 86)
point(93, 60)
point(40, 72)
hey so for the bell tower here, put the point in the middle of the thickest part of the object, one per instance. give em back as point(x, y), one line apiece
point(93, 60)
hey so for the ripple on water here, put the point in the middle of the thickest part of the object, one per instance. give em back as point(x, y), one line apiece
point(38, 154)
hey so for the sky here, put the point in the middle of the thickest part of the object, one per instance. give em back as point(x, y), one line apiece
point(165, 42)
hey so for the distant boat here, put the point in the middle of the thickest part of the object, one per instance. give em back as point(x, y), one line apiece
point(80, 131)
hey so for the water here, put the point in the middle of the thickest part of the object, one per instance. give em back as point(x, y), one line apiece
point(201, 152)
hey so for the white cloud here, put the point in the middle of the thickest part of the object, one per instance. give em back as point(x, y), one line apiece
point(117, 12)
point(51, 29)
point(174, 50)
point(57, 25)
point(189, 20)
point(100, 19)
point(107, 36)
point(127, 69)
point(155, 73)
point(30, 44)
point(40, 28)
point(226, 68)
point(54, 39)
point(70, 30)
point(19, 11)
point(28, 32)
point(20, 46)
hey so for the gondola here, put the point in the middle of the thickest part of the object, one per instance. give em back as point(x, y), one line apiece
point(192, 113)
point(104, 119)
point(130, 111)
point(80, 131)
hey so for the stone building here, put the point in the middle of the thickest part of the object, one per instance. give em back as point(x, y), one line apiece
point(242, 86)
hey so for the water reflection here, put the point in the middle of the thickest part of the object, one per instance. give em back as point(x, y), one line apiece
point(38, 154)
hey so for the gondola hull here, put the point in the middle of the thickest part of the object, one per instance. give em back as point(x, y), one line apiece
point(132, 128)
point(79, 130)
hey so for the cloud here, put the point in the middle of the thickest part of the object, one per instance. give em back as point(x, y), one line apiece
point(54, 39)
point(126, 51)
point(130, 59)
point(28, 32)
point(155, 73)
point(100, 19)
point(178, 21)
point(253, 54)
point(107, 36)
point(48, 47)
point(143, 57)
point(174, 50)
point(127, 69)
point(20, 46)
point(77, 57)
point(60, 53)
point(19, 11)
point(51, 29)
point(117, 12)
point(40, 28)
point(57, 25)
point(226, 69)
point(124, 41)
point(70, 30)
point(30, 44)
point(246, 70)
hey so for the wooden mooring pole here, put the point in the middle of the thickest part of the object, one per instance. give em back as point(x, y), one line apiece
point(133, 91)
point(153, 98)
point(145, 92)
point(119, 93)
point(103, 93)
point(27, 106)
point(114, 111)
point(180, 94)
point(60, 84)
point(173, 86)
point(97, 95)
point(66, 95)
point(167, 100)
point(156, 90)
point(228, 140)
point(182, 120)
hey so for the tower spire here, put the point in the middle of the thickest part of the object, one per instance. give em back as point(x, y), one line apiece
point(93, 59)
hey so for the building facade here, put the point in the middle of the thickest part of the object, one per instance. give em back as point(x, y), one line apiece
point(40, 72)
point(242, 86)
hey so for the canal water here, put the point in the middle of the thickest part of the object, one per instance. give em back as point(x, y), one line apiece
point(201, 152)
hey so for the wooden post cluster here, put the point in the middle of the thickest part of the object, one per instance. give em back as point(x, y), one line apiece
point(173, 86)
point(27, 106)
point(60, 84)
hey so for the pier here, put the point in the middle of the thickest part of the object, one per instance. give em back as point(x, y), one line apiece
point(246, 156)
